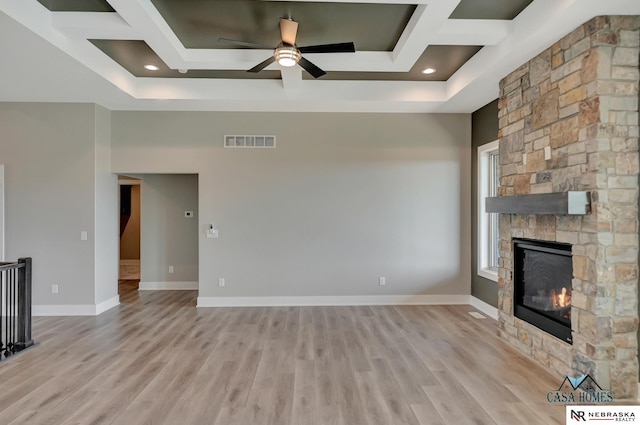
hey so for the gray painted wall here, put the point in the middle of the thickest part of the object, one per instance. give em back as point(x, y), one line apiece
point(484, 129)
point(49, 155)
point(342, 200)
point(167, 238)
point(1, 212)
point(107, 219)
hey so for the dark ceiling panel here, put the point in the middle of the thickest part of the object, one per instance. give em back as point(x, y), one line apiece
point(77, 5)
point(489, 9)
point(198, 24)
point(133, 55)
point(445, 59)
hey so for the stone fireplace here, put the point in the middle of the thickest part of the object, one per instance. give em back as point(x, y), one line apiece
point(568, 121)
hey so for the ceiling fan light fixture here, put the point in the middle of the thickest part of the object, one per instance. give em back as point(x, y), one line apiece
point(287, 55)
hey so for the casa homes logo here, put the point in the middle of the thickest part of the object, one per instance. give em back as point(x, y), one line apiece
point(583, 389)
point(597, 414)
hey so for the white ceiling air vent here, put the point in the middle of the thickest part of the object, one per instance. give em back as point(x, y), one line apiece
point(248, 141)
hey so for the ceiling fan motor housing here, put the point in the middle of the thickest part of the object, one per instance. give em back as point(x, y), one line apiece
point(287, 55)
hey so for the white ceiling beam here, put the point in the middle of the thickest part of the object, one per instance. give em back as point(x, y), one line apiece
point(270, 105)
point(470, 32)
point(365, 1)
point(318, 90)
point(291, 77)
point(425, 20)
point(94, 25)
point(241, 59)
point(145, 18)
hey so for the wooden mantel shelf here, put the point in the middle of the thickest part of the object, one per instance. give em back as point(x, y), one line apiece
point(560, 203)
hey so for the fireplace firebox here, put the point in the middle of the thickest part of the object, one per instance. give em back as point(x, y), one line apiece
point(542, 285)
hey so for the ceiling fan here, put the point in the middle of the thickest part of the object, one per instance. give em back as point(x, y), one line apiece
point(288, 54)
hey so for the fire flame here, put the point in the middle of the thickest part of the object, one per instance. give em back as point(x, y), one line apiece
point(562, 299)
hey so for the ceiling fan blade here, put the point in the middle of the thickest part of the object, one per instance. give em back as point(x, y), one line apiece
point(262, 65)
point(288, 31)
point(329, 48)
point(244, 43)
point(311, 68)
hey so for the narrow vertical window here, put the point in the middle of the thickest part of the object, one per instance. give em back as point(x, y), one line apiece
point(488, 236)
point(494, 182)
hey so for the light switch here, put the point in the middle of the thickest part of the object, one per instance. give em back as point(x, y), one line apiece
point(212, 233)
point(83, 235)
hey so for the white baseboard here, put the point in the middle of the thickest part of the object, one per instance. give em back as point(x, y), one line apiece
point(75, 309)
point(107, 305)
point(487, 309)
point(168, 286)
point(64, 310)
point(332, 300)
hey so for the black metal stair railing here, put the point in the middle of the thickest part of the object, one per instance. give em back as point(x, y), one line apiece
point(15, 307)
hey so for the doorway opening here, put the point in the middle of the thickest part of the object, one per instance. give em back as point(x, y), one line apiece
point(129, 201)
point(159, 235)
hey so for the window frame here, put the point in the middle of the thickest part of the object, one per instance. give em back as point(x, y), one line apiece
point(484, 268)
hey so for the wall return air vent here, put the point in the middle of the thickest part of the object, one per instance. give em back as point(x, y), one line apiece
point(249, 141)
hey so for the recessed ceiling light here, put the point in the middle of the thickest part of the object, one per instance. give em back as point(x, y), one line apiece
point(151, 67)
point(428, 71)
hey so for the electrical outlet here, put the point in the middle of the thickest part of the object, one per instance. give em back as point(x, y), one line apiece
point(382, 281)
point(170, 269)
point(221, 282)
point(54, 288)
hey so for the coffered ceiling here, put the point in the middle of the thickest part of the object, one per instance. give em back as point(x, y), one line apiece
point(97, 50)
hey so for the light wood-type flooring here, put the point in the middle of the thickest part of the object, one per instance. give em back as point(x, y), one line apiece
point(157, 359)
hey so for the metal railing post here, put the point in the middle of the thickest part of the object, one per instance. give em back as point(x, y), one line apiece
point(24, 304)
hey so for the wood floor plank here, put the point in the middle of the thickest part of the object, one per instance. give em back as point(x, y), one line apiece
point(392, 394)
point(427, 414)
point(305, 399)
point(454, 393)
point(157, 359)
point(374, 407)
point(305, 409)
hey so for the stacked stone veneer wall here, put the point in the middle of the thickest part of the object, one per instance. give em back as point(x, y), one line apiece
point(580, 99)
